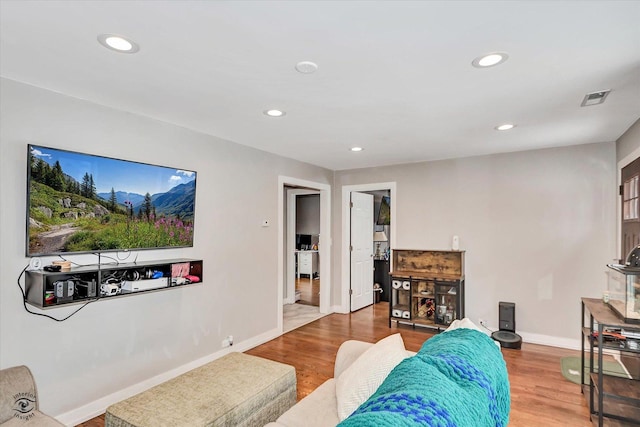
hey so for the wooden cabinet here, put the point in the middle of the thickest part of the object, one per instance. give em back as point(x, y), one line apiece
point(609, 397)
point(45, 289)
point(427, 288)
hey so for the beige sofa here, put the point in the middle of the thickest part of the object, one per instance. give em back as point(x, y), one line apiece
point(19, 400)
point(321, 407)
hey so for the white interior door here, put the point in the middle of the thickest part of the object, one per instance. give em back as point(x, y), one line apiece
point(361, 250)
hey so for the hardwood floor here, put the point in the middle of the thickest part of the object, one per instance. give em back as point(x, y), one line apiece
point(309, 291)
point(540, 396)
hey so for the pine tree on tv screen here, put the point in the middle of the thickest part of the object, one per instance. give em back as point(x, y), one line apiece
point(85, 203)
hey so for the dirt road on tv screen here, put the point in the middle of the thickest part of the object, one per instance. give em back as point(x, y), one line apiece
point(53, 240)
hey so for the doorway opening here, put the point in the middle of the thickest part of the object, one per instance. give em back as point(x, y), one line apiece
point(304, 223)
point(384, 236)
point(304, 266)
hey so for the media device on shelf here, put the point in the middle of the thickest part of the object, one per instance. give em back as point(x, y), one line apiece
point(82, 203)
point(83, 284)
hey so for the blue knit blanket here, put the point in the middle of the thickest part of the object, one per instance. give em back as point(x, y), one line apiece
point(458, 378)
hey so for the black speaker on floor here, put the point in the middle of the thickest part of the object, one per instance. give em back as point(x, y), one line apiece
point(507, 336)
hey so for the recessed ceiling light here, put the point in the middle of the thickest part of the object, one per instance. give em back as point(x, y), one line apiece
point(595, 98)
point(490, 59)
point(274, 113)
point(505, 126)
point(356, 149)
point(118, 43)
point(306, 67)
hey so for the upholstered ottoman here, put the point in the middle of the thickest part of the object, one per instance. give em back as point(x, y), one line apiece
point(235, 390)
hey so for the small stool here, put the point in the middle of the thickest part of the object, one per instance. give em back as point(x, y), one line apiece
point(235, 390)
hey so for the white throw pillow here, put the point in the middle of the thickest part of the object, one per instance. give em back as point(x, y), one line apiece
point(360, 380)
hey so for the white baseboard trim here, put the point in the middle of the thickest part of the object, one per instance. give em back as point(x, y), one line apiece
point(549, 340)
point(98, 407)
point(531, 338)
point(339, 309)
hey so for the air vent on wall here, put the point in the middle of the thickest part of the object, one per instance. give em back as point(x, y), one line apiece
point(595, 98)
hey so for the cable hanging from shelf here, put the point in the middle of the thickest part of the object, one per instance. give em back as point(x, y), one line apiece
point(24, 301)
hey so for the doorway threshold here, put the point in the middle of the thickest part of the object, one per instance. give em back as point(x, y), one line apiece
point(297, 315)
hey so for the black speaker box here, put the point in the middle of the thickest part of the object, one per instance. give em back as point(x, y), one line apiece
point(507, 316)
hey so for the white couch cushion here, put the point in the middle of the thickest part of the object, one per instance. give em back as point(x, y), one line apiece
point(464, 323)
point(467, 323)
point(360, 380)
point(318, 409)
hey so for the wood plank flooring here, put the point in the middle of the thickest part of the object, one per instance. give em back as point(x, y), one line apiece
point(309, 291)
point(540, 396)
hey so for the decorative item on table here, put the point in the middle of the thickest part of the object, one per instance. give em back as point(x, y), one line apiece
point(455, 243)
point(630, 334)
point(608, 336)
point(421, 308)
point(450, 314)
point(176, 281)
point(448, 317)
point(378, 238)
point(64, 265)
point(192, 278)
point(180, 269)
point(49, 297)
point(377, 292)
point(422, 288)
point(441, 311)
point(426, 307)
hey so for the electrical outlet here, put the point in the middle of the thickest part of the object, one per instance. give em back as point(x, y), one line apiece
point(227, 342)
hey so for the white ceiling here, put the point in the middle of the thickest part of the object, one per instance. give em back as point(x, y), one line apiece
point(394, 77)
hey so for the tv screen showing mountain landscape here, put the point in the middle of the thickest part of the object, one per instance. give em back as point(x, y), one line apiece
point(85, 203)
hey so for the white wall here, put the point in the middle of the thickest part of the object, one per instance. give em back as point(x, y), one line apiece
point(538, 228)
point(629, 142)
point(114, 344)
point(308, 215)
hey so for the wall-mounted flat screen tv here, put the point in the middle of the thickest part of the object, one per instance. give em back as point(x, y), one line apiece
point(384, 214)
point(79, 203)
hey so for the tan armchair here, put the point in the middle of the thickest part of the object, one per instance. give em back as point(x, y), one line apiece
point(19, 400)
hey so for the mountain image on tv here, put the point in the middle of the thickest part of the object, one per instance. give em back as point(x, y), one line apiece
point(85, 203)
